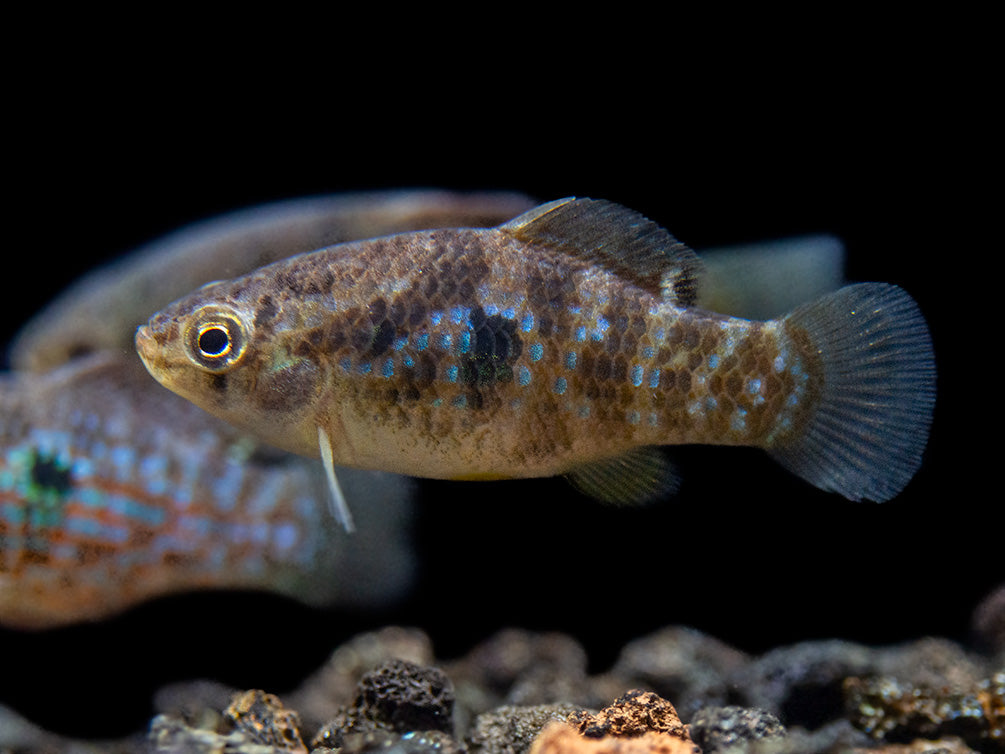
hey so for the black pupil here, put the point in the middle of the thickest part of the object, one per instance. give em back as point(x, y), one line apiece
point(213, 341)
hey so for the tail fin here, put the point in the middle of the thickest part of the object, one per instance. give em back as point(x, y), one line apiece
point(867, 434)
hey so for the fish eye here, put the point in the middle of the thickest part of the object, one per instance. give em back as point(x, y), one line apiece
point(216, 338)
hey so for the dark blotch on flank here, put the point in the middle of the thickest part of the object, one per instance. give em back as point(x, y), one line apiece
point(495, 345)
point(383, 337)
point(378, 308)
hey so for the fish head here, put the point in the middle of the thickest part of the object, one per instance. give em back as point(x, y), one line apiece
point(223, 348)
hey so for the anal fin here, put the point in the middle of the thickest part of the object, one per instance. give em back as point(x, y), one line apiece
point(638, 476)
point(339, 507)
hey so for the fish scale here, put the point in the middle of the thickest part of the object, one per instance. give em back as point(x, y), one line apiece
point(565, 341)
point(91, 503)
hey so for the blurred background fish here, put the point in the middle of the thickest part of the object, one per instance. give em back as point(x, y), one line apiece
point(114, 491)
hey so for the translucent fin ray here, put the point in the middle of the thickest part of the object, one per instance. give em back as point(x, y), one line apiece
point(639, 476)
point(867, 434)
point(339, 507)
point(616, 238)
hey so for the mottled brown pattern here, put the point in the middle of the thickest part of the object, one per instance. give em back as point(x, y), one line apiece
point(471, 352)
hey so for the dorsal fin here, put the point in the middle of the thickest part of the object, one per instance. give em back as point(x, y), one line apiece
point(618, 239)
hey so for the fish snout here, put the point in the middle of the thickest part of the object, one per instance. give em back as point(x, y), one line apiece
point(146, 346)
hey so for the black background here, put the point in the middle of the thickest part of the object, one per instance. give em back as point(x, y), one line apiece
point(872, 137)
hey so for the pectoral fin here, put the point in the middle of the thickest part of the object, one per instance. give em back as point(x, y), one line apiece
point(638, 476)
point(339, 507)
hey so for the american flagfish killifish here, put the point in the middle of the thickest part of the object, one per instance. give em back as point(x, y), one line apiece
point(564, 341)
point(112, 493)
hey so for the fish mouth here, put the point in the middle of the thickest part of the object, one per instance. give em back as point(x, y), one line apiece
point(145, 345)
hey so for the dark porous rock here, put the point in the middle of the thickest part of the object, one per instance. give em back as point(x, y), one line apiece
point(407, 697)
point(334, 685)
point(396, 697)
point(511, 729)
point(682, 664)
point(720, 728)
point(897, 711)
point(634, 714)
point(802, 684)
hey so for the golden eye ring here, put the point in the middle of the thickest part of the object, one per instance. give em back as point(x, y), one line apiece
point(216, 338)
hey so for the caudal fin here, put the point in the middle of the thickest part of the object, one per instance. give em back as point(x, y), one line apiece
point(867, 433)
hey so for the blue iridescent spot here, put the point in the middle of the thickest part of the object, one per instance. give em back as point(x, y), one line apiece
point(491, 309)
point(654, 378)
point(460, 401)
point(637, 375)
point(388, 369)
point(523, 376)
point(527, 323)
point(580, 333)
point(536, 351)
point(711, 403)
point(408, 361)
point(422, 342)
point(285, 536)
point(753, 386)
point(446, 339)
point(633, 417)
point(459, 314)
point(400, 343)
point(365, 368)
point(648, 352)
point(713, 361)
point(465, 343)
point(601, 329)
point(84, 467)
point(570, 360)
point(123, 457)
point(345, 364)
point(436, 317)
point(560, 385)
point(452, 374)
point(509, 313)
point(738, 421)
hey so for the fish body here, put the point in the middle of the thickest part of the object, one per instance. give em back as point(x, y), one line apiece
point(562, 342)
point(112, 493)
